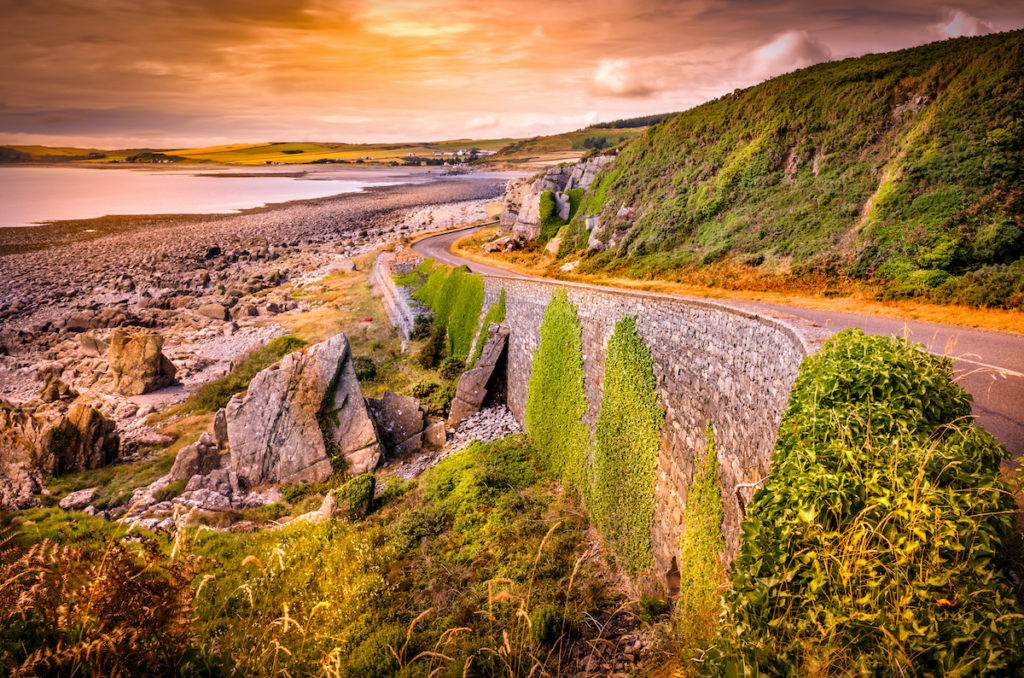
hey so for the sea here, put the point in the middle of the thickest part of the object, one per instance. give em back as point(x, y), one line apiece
point(33, 195)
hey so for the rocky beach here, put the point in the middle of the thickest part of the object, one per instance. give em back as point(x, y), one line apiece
point(104, 322)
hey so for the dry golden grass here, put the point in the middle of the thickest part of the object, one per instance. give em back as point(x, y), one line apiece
point(743, 286)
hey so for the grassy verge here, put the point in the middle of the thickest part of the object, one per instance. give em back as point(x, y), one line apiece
point(727, 284)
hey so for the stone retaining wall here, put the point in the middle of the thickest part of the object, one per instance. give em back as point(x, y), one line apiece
point(397, 306)
point(713, 363)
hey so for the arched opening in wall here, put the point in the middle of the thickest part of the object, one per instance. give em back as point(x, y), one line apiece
point(672, 579)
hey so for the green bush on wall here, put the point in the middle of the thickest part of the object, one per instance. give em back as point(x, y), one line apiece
point(876, 545)
point(456, 296)
point(556, 402)
point(627, 439)
point(700, 565)
point(495, 314)
point(465, 313)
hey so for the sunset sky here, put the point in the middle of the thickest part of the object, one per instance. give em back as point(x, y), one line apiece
point(176, 73)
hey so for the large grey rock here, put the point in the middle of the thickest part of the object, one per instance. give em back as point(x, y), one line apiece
point(594, 242)
point(138, 363)
point(476, 384)
point(562, 206)
point(199, 458)
point(299, 413)
point(76, 501)
point(400, 421)
point(527, 226)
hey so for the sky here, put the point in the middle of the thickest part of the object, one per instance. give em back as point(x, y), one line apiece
point(186, 73)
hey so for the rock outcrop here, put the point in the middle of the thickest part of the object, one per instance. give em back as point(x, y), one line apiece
point(300, 417)
point(520, 214)
point(80, 440)
point(477, 384)
point(138, 363)
point(38, 437)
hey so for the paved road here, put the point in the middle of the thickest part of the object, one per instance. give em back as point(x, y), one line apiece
point(990, 365)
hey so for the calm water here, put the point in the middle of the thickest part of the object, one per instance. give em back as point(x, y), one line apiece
point(31, 195)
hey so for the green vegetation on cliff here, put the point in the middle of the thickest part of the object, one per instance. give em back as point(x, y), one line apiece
point(876, 545)
point(495, 314)
point(903, 170)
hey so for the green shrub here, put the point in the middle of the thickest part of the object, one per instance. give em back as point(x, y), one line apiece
point(171, 491)
point(366, 369)
point(434, 350)
point(627, 439)
point(421, 327)
point(549, 220)
point(378, 655)
point(451, 367)
point(700, 548)
point(439, 401)
point(555, 401)
point(495, 314)
point(422, 389)
point(876, 544)
point(355, 498)
point(546, 624)
point(653, 608)
point(215, 395)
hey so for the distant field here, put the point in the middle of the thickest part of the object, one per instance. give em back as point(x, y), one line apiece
point(290, 153)
point(557, 148)
point(519, 153)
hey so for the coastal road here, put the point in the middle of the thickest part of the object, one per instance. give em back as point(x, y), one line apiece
point(989, 365)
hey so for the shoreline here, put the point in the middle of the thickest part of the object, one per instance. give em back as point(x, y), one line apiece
point(35, 237)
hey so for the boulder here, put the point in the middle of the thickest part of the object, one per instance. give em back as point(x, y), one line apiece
point(400, 421)
point(80, 440)
point(527, 226)
point(562, 206)
point(214, 311)
point(299, 415)
point(435, 435)
point(478, 383)
point(199, 458)
point(76, 501)
point(220, 429)
point(342, 263)
point(54, 389)
point(138, 363)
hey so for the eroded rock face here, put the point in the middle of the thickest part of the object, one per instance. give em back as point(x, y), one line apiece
point(400, 420)
point(299, 413)
point(138, 363)
point(476, 384)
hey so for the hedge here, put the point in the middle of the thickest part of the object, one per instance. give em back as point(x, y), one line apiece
point(876, 544)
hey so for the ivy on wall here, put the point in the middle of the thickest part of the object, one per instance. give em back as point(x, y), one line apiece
point(876, 544)
point(465, 313)
point(627, 438)
point(495, 314)
point(556, 401)
point(456, 296)
point(700, 566)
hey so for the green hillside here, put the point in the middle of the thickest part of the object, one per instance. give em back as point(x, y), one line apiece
point(903, 170)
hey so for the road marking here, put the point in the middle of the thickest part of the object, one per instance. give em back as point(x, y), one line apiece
point(1001, 370)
